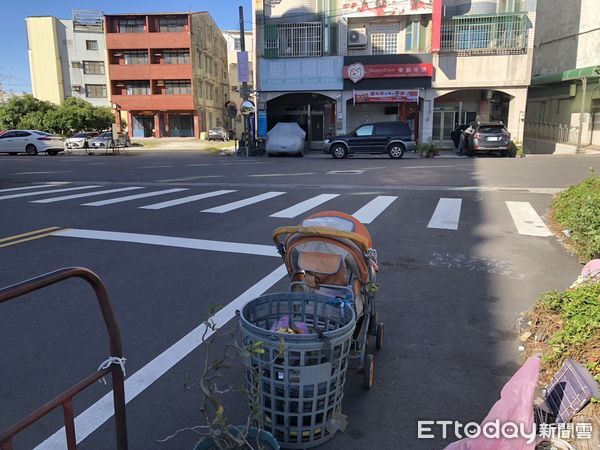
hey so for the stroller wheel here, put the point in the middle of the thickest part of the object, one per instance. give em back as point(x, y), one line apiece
point(368, 371)
point(379, 336)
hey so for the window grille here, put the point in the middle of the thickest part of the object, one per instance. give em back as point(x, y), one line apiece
point(93, 67)
point(91, 45)
point(487, 34)
point(172, 24)
point(292, 40)
point(384, 43)
point(136, 56)
point(176, 56)
point(95, 90)
point(138, 88)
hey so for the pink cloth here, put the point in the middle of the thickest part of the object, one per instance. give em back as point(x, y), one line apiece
point(591, 267)
point(515, 406)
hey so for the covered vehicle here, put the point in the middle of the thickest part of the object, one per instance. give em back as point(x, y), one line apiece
point(286, 138)
point(331, 253)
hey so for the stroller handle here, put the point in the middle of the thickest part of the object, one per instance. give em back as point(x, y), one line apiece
point(359, 240)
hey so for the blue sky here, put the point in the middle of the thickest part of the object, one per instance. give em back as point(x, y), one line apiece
point(13, 36)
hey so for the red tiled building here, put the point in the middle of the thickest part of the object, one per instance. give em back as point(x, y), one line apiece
point(153, 85)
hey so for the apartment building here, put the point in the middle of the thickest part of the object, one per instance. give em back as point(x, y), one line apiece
point(233, 39)
point(167, 73)
point(67, 57)
point(333, 65)
point(563, 107)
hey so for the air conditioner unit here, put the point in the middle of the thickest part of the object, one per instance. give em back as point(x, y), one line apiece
point(357, 37)
point(76, 88)
point(75, 64)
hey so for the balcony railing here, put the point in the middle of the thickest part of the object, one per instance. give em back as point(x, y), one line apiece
point(485, 34)
point(553, 132)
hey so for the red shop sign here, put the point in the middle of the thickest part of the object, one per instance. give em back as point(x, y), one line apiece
point(357, 71)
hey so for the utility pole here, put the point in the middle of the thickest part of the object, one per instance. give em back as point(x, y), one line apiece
point(244, 92)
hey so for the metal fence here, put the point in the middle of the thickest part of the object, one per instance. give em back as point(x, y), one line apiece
point(554, 132)
point(485, 34)
point(292, 40)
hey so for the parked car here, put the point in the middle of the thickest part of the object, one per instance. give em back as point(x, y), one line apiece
point(31, 142)
point(105, 140)
point(393, 138)
point(218, 134)
point(80, 140)
point(455, 134)
point(489, 137)
point(285, 138)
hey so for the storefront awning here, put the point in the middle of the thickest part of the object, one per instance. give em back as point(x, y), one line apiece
point(573, 74)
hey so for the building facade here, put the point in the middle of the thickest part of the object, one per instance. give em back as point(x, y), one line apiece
point(166, 73)
point(563, 107)
point(232, 37)
point(335, 64)
point(67, 58)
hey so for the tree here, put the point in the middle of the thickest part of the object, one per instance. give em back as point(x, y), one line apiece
point(26, 112)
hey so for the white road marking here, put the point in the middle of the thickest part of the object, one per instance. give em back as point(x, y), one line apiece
point(371, 210)
point(171, 241)
point(92, 418)
point(527, 221)
point(346, 172)
point(85, 194)
point(189, 198)
point(198, 177)
point(154, 167)
point(241, 203)
point(30, 187)
point(42, 173)
point(281, 174)
point(446, 214)
point(198, 165)
point(128, 198)
point(53, 191)
point(304, 206)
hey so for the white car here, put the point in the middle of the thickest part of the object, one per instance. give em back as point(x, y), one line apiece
point(31, 142)
point(80, 140)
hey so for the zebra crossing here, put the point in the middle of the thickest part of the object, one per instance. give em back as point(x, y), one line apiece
point(445, 216)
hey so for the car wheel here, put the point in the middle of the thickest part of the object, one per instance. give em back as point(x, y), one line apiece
point(31, 150)
point(339, 151)
point(52, 152)
point(396, 151)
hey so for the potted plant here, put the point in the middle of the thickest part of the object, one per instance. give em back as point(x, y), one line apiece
point(428, 150)
point(218, 433)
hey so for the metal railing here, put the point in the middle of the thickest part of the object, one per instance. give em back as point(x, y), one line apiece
point(485, 34)
point(293, 40)
point(554, 132)
point(66, 398)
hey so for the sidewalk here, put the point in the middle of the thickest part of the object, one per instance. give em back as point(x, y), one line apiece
point(179, 144)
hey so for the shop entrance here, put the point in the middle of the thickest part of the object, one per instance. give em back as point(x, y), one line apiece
point(142, 126)
point(313, 112)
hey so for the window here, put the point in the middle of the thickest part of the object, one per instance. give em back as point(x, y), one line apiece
point(91, 45)
point(133, 25)
point(412, 34)
point(176, 56)
point(95, 90)
point(366, 130)
point(93, 67)
point(296, 39)
point(237, 44)
point(172, 24)
point(138, 87)
point(384, 43)
point(384, 129)
point(178, 87)
point(135, 56)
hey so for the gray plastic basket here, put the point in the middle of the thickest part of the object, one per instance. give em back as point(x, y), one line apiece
point(299, 392)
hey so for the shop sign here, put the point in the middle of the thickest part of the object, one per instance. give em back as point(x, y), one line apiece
point(388, 96)
point(243, 67)
point(357, 71)
point(367, 8)
point(302, 74)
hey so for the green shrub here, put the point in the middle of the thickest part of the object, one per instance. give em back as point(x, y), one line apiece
point(578, 210)
point(579, 310)
point(516, 150)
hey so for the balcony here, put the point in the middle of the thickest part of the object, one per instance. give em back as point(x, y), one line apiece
point(150, 71)
point(145, 40)
point(154, 102)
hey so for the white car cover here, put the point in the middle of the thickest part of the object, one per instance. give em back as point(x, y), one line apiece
point(285, 138)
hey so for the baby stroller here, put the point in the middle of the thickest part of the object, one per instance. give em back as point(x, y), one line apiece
point(331, 254)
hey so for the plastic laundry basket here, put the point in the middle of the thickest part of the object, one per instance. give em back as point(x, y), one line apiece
point(298, 391)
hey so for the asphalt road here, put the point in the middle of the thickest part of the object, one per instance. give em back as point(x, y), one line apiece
point(455, 275)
